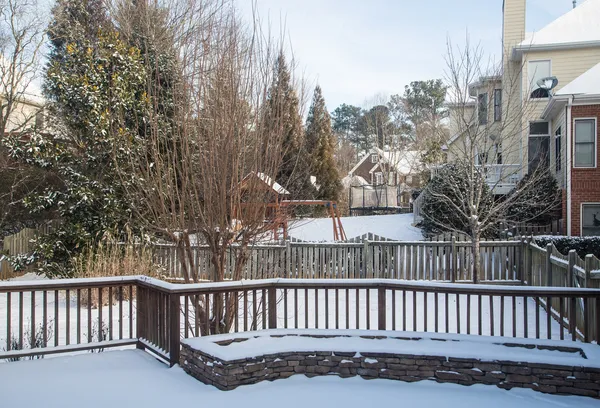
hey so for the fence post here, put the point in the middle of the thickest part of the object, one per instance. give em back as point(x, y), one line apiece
point(521, 261)
point(272, 307)
point(588, 269)
point(529, 270)
point(454, 258)
point(367, 261)
point(288, 259)
point(549, 264)
point(174, 328)
point(381, 306)
point(571, 269)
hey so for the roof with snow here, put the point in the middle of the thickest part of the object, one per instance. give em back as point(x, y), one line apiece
point(404, 161)
point(272, 183)
point(354, 181)
point(586, 83)
point(578, 26)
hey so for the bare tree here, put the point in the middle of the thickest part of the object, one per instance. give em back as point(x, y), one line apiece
point(487, 150)
point(21, 38)
point(205, 172)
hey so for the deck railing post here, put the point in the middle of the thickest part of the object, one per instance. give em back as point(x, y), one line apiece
point(381, 308)
point(549, 264)
point(140, 317)
point(174, 328)
point(272, 307)
point(521, 261)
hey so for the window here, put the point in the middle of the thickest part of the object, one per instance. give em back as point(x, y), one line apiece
point(39, 120)
point(557, 148)
point(585, 143)
point(378, 178)
point(409, 179)
point(373, 158)
point(536, 71)
point(497, 105)
point(482, 110)
point(481, 158)
point(539, 145)
point(590, 219)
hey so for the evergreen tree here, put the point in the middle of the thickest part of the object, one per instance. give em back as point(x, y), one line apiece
point(95, 85)
point(319, 136)
point(283, 114)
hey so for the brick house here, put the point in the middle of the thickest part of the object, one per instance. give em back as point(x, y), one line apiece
point(574, 113)
point(553, 77)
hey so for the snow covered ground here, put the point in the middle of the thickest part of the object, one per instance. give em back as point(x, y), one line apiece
point(396, 226)
point(133, 378)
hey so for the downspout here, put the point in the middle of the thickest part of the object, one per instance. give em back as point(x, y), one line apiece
point(569, 163)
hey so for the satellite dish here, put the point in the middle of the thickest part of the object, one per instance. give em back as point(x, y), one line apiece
point(547, 83)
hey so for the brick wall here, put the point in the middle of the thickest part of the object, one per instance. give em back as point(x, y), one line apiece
point(585, 183)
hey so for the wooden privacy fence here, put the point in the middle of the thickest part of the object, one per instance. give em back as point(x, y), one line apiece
point(411, 260)
point(21, 243)
point(548, 267)
point(46, 317)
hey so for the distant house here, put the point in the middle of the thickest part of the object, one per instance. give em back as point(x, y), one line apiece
point(383, 180)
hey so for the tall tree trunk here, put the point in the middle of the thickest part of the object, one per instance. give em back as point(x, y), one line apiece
point(476, 239)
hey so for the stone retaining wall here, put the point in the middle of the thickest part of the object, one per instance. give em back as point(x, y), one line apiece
point(547, 378)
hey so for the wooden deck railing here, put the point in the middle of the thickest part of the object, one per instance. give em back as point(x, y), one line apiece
point(76, 315)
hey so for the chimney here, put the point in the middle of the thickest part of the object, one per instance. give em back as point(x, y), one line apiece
point(513, 23)
point(574, 3)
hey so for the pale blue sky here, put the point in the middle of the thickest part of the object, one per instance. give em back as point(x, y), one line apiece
point(356, 49)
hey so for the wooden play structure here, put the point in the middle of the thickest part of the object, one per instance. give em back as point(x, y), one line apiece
point(279, 210)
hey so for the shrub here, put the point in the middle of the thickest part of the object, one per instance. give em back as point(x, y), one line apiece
point(583, 245)
point(438, 215)
point(535, 203)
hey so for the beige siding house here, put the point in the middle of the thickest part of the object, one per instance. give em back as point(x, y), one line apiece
point(536, 68)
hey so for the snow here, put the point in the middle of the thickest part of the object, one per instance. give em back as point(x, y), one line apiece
point(406, 343)
point(134, 378)
point(587, 83)
point(396, 227)
point(579, 25)
point(273, 184)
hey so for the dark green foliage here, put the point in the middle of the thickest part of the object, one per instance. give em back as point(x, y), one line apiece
point(583, 245)
point(536, 199)
point(283, 115)
point(321, 142)
point(451, 185)
point(96, 85)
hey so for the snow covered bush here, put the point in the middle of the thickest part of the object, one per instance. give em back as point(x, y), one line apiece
point(446, 192)
point(535, 203)
point(583, 245)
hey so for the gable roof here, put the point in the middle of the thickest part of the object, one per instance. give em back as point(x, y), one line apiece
point(586, 87)
point(586, 83)
point(403, 161)
point(278, 188)
point(577, 28)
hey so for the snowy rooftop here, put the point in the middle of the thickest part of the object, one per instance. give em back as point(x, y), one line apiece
point(404, 161)
point(587, 83)
point(273, 184)
point(134, 378)
point(580, 25)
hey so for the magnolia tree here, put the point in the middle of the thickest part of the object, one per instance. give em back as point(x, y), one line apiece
point(481, 188)
point(205, 170)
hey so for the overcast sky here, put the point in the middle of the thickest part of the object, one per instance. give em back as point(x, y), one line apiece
point(356, 49)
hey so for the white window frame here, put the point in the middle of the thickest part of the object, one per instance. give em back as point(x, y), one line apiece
point(595, 119)
point(374, 158)
point(532, 87)
point(581, 215)
point(378, 178)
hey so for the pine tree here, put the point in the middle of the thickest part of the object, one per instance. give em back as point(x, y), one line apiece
point(283, 114)
point(321, 140)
